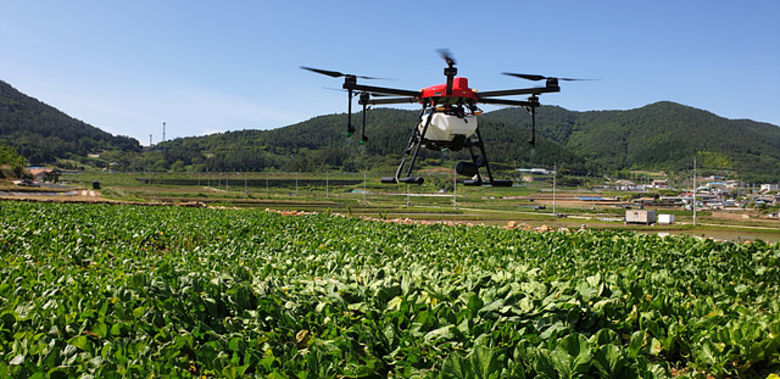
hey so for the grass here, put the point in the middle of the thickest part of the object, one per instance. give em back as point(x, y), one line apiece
point(490, 205)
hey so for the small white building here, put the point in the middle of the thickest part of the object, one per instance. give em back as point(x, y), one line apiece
point(635, 216)
point(665, 219)
point(770, 187)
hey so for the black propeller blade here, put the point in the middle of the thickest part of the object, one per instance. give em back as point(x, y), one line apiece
point(447, 56)
point(336, 74)
point(356, 93)
point(535, 77)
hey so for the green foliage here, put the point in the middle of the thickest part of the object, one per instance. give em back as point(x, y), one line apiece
point(42, 134)
point(110, 291)
point(660, 136)
point(10, 158)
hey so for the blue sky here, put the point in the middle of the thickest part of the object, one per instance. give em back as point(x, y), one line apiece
point(207, 66)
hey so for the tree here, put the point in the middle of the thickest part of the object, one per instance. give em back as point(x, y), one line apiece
point(10, 158)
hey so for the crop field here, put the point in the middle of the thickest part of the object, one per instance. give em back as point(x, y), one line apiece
point(98, 290)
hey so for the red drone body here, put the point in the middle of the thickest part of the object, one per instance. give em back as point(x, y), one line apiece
point(460, 88)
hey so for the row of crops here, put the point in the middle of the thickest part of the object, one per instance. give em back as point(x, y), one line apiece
point(110, 291)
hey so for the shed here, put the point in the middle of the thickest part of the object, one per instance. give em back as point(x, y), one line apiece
point(665, 219)
point(640, 216)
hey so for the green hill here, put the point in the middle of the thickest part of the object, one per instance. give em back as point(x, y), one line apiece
point(43, 134)
point(321, 142)
point(659, 136)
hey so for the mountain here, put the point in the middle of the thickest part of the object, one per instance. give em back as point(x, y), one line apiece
point(659, 136)
point(42, 134)
point(321, 141)
point(662, 135)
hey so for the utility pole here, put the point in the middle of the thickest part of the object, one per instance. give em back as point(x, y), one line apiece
point(364, 186)
point(163, 131)
point(326, 184)
point(150, 140)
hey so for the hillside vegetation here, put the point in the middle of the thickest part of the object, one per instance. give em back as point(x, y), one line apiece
point(42, 134)
point(660, 136)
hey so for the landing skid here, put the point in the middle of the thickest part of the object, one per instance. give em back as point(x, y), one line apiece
point(479, 159)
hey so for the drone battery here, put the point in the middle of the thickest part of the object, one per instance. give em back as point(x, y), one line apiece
point(466, 169)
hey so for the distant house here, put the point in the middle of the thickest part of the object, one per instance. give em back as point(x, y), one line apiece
point(660, 184)
point(627, 185)
point(42, 174)
point(770, 187)
point(535, 171)
point(670, 200)
point(644, 201)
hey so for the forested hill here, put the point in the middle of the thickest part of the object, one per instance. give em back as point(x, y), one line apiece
point(321, 142)
point(661, 135)
point(42, 134)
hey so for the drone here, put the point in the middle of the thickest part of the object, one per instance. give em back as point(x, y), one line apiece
point(448, 118)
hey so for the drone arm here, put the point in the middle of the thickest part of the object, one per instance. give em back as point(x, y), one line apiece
point(530, 104)
point(389, 91)
point(518, 103)
point(520, 91)
point(393, 100)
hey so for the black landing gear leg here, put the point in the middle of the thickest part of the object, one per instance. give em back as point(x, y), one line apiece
point(482, 161)
point(413, 146)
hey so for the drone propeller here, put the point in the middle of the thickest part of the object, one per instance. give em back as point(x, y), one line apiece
point(447, 56)
point(374, 94)
point(336, 74)
point(450, 71)
point(535, 77)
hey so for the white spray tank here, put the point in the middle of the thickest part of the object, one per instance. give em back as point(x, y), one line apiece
point(444, 127)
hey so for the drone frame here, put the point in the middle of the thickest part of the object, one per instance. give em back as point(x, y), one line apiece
point(431, 98)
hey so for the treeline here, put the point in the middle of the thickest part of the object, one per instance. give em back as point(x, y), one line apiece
point(43, 134)
point(660, 136)
point(321, 143)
